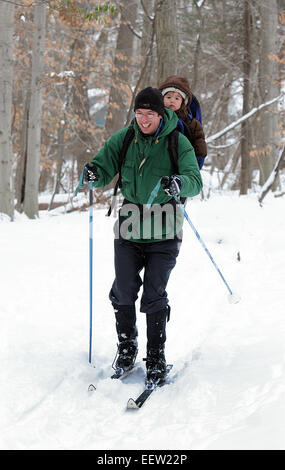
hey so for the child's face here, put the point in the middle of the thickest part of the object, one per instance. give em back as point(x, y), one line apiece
point(173, 100)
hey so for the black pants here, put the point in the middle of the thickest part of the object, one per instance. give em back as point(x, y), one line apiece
point(157, 258)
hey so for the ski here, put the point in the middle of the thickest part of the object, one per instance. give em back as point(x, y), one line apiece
point(149, 388)
point(123, 373)
point(91, 388)
point(119, 374)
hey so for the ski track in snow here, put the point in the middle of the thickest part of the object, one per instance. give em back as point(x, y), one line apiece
point(228, 388)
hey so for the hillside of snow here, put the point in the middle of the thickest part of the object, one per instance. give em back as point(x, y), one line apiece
point(228, 380)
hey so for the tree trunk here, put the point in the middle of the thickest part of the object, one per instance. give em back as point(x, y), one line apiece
point(245, 161)
point(22, 162)
point(59, 162)
point(82, 146)
point(268, 75)
point(197, 50)
point(146, 65)
point(145, 45)
point(120, 92)
point(166, 38)
point(35, 113)
point(6, 86)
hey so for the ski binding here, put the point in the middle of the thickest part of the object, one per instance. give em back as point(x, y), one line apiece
point(121, 373)
point(149, 388)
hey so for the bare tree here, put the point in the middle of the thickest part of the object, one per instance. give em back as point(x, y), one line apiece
point(120, 92)
point(147, 44)
point(268, 88)
point(6, 85)
point(166, 38)
point(35, 113)
point(22, 161)
point(245, 161)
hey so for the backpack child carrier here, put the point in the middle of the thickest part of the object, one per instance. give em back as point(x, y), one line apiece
point(194, 109)
point(194, 112)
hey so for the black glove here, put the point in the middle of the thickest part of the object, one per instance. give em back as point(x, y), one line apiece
point(171, 185)
point(90, 173)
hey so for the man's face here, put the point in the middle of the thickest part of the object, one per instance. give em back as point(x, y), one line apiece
point(148, 120)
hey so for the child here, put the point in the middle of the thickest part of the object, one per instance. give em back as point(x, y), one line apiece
point(178, 96)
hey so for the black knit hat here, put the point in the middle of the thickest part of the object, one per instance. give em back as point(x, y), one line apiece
point(150, 98)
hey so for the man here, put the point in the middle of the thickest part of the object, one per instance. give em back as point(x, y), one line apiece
point(146, 161)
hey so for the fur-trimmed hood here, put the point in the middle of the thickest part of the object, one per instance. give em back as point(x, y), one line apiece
point(179, 83)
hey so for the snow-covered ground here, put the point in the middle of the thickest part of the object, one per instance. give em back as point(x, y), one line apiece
point(229, 360)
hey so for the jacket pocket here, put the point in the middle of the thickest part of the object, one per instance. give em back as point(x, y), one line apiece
point(128, 172)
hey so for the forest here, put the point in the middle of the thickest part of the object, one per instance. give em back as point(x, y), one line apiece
point(69, 72)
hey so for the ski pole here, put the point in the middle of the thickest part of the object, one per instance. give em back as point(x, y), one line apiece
point(90, 266)
point(233, 298)
point(80, 186)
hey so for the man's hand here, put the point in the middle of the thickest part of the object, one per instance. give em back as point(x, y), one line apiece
point(90, 173)
point(171, 185)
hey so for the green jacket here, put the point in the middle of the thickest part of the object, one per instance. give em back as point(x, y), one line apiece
point(146, 161)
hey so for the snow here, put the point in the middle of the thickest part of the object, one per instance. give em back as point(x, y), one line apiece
point(64, 73)
point(97, 92)
point(229, 359)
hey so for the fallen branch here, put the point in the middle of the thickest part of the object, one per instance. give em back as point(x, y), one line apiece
point(279, 194)
point(269, 183)
point(240, 120)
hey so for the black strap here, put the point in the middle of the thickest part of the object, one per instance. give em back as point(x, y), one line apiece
point(127, 140)
point(173, 149)
point(173, 153)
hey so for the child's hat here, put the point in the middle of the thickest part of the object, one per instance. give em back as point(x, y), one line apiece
point(179, 85)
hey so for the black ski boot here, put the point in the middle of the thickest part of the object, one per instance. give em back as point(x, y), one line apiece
point(126, 355)
point(127, 335)
point(156, 366)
